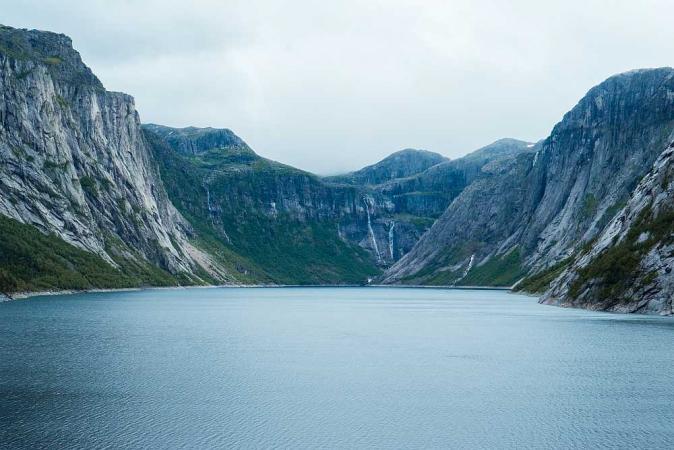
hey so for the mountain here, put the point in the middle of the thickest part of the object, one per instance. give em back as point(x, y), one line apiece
point(535, 209)
point(401, 164)
point(88, 198)
point(76, 167)
point(244, 202)
point(266, 221)
point(629, 266)
point(193, 140)
point(428, 193)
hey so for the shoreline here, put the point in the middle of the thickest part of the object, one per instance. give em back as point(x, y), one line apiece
point(28, 294)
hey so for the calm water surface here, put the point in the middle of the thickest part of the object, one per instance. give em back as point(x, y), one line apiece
point(330, 368)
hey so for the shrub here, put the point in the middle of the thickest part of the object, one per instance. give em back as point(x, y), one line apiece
point(88, 185)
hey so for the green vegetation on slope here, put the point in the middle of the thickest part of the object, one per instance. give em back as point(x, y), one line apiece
point(500, 270)
point(540, 282)
point(221, 192)
point(439, 273)
point(32, 261)
point(615, 270)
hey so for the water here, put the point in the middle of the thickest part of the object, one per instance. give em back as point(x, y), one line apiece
point(330, 368)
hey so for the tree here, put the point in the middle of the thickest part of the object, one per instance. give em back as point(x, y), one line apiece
point(8, 284)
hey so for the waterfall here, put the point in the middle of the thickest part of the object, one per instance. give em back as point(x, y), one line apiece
point(211, 210)
point(465, 272)
point(208, 200)
point(370, 231)
point(390, 239)
point(470, 265)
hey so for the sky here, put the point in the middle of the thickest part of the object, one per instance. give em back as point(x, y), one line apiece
point(331, 86)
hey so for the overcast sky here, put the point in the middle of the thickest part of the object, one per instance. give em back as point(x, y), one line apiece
point(330, 86)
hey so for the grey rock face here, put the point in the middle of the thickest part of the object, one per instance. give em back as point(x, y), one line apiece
point(74, 159)
point(629, 268)
point(546, 204)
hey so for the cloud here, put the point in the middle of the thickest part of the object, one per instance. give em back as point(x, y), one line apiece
point(332, 86)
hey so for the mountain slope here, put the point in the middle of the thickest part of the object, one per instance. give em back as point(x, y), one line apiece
point(629, 267)
point(75, 164)
point(536, 209)
point(268, 221)
point(430, 192)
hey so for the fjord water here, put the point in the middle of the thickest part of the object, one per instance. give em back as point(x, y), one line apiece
point(330, 368)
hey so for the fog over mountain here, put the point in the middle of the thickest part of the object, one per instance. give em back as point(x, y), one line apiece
point(332, 87)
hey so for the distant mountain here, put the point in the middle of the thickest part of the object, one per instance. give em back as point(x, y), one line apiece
point(538, 208)
point(430, 192)
point(88, 198)
point(193, 141)
point(401, 164)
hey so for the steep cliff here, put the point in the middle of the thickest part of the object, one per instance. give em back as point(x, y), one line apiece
point(538, 208)
point(629, 267)
point(75, 165)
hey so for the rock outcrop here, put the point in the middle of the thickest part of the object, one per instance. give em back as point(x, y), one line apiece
point(193, 140)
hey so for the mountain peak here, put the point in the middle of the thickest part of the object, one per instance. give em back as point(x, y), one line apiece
point(501, 148)
point(52, 50)
point(616, 99)
point(401, 164)
point(194, 140)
